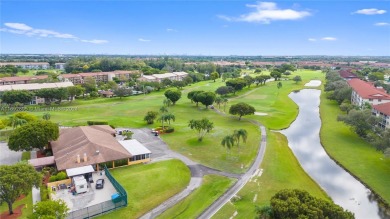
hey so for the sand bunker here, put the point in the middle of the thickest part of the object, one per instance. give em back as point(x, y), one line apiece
point(260, 114)
point(313, 83)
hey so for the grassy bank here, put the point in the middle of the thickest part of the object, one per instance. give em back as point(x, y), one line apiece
point(149, 185)
point(26, 210)
point(353, 153)
point(281, 170)
point(212, 187)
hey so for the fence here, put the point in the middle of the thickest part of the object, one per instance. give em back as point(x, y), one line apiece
point(122, 192)
point(103, 207)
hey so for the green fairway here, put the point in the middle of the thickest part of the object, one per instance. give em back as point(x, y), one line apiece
point(280, 109)
point(356, 155)
point(281, 170)
point(212, 187)
point(149, 185)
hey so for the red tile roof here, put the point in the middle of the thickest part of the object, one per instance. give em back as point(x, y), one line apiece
point(347, 74)
point(367, 90)
point(23, 78)
point(383, 108)
point(69, 75)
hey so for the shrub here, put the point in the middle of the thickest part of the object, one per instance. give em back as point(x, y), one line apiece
point(44, 193)
point(119, 163)
point(169, 130)
point(97, 122)
point(113, 127)
point(53, 178)
point(61, 176)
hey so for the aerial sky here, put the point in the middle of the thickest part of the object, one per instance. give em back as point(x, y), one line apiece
point(198, 27)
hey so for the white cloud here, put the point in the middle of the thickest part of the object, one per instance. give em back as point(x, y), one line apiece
point(370, 11)
point(382, 24)
point(143, 40)
point(329, 38)
point(265, 12)
point(312, 39)
point(95, 41)
point(20, 28)
point(171, 30)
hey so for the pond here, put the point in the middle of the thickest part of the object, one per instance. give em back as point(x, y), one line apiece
point(303, 139)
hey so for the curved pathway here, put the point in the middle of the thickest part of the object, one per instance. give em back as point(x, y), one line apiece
point(222, 200)
point(161, 151)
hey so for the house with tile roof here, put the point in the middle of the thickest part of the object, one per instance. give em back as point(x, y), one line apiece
point(94, 145)
point(365, 92)
point(382, 111)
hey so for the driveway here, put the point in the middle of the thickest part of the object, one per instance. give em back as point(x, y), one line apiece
point(7, 156)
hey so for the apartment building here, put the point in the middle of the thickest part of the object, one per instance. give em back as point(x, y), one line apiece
point(27, 65)
point(174, 76)
point(21, 80)
point(382, 111)
point(98, 76)
point(365, 92)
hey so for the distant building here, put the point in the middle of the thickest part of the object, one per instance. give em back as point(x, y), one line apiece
point(347, 74)
point(28, 65)
point(366, 92)
point(60, 66)
point(382, 111)
point(174, 76)
point(21, 80)
point(33, 87)
point(98, 76)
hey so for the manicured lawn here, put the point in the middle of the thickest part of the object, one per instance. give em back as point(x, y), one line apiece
point(281, 170)
point(130, 111)
point(212, 187)
point(149, 185)
point(26, 210)
point(352, 152)
point(281, 110)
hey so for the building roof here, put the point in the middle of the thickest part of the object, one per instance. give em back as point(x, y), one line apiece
point(165, 75)
point(383, 108)
point(23, 63)
point(367, 90)
point(134, 147)
point(150, 77)
point(23, 78)
point(69, 75)
point(79, 170)
point(97, 142)
point(91, 74)
point(43, 161)
point(35, 86)
point(347, 74)
point(180, 73)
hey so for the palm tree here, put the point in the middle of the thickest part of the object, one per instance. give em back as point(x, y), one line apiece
point(18, 122)
point(163, 111)
point(168, 117)
point(228, 142)
point(279, 85)
point(167, 102)
point(238, 134)
point(46, 116)
point(224, 101)
point(218, 101)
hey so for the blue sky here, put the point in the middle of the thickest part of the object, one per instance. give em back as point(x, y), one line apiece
point(195, 27)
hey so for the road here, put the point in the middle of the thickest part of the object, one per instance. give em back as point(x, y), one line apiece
point(222, 200)
point(7, 156)
point(160, 151)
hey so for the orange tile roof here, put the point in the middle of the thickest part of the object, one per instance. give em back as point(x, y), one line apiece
point(367, 90)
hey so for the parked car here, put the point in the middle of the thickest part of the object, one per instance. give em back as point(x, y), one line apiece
point(99, 183)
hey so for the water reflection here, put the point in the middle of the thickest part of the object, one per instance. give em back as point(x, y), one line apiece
point(303, 138)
